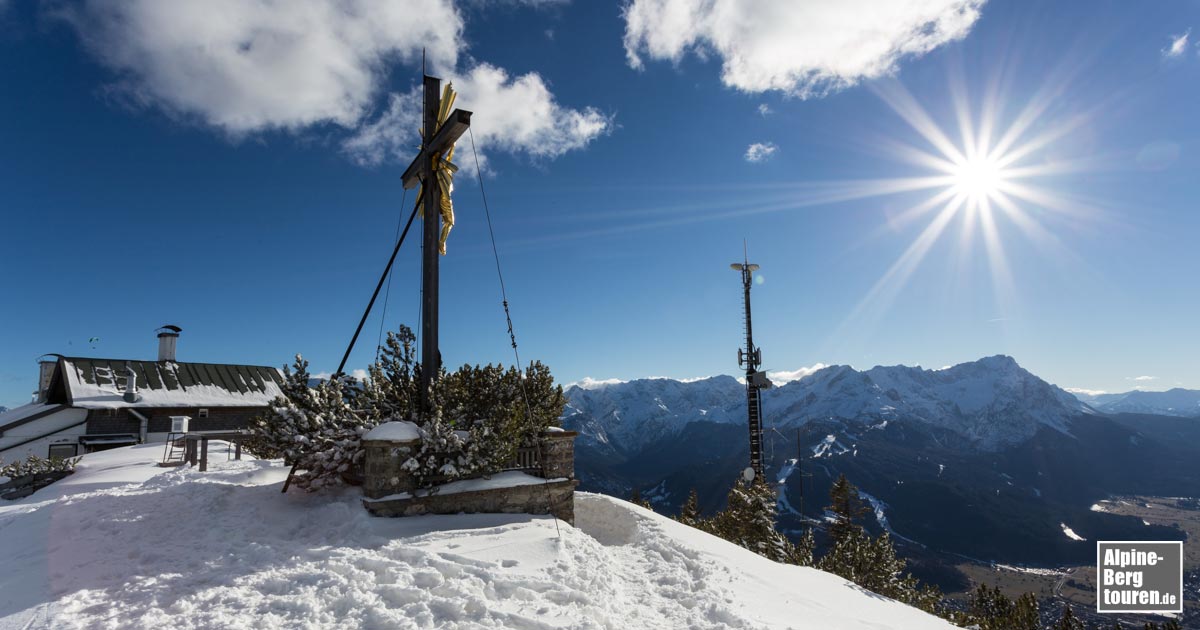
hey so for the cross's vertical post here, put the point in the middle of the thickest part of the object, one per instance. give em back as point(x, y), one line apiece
point(431, 196)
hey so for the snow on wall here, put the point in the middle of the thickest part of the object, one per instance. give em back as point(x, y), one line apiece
point(103, 548)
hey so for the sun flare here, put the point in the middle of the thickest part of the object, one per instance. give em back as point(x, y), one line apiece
point(980, 187)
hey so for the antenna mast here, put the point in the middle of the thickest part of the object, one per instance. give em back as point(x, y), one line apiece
point(750, 357)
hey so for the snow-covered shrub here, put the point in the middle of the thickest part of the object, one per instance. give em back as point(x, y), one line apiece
point(313, 428)
point(474, 418)
point(36, 465)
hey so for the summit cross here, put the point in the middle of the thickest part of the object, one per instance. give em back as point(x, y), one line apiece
point(437, 141)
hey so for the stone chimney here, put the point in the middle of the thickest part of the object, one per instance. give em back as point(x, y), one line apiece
point(167, 337)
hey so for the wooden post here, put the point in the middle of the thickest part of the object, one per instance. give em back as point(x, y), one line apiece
point(237, 450)
point(431, 193)
point(190, 450)
point(204, 454)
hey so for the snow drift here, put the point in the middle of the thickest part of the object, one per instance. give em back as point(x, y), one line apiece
point(125, 544)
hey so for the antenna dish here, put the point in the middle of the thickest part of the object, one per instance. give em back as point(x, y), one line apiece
point(736, 266)
point(748, 474)
point(753, 267)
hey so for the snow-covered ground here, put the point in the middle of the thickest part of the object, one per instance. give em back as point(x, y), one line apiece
point(125, 544)
point(1070, 533)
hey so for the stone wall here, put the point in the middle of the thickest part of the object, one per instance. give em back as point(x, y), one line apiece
point(552, 497)
point(384, 476)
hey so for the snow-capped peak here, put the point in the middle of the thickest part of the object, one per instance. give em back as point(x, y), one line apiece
point(991, 402)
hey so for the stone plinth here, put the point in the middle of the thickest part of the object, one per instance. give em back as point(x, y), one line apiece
point(558, 454)
point(382, 474)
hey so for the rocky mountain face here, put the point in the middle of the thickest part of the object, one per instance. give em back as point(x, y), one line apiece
point(982, 459)
point(989, 403)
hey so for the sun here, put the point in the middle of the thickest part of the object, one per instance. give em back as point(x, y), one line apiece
point(978, 178)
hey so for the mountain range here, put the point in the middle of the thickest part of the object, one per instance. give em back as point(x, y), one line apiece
point(981, 459)
point(989, 404)
point(1184, 403)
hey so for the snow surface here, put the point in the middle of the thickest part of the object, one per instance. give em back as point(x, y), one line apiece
point(398, 431)
point(1030, 570)
point(1071, 533)
point(125, 544)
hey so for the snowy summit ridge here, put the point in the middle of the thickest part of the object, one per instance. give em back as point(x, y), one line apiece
point(123, 543)
point(992, 402)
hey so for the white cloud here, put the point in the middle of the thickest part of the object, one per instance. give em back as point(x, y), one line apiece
point(1178, 46)
point(786, 376)
point(1085, 392)
point(592, 383)
point(246, 66)
point(359, 374)
point(518, 115)
point(760, 151)
point(803, 49)
point(765, 110)
point(1145, 378)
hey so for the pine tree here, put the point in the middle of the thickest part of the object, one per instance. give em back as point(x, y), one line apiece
point(847, 508)
point(992, 610)
point(802, 553)
point(869, 562)
point(689, 514)
point(1025, 613)
point(636, 498)
point(1068, 621)
point(749, 521)
point(849, 556)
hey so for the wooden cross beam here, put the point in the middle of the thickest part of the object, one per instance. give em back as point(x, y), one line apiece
point(437, 141)
point(456, 125)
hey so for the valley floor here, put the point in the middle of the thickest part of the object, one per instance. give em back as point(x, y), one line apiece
point(125, 544)
point(1077, 584)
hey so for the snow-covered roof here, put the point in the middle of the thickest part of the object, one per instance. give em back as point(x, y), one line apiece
point(102, 384)
point(16, 414)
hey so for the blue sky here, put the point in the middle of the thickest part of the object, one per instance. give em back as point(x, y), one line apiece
point(235, 171)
